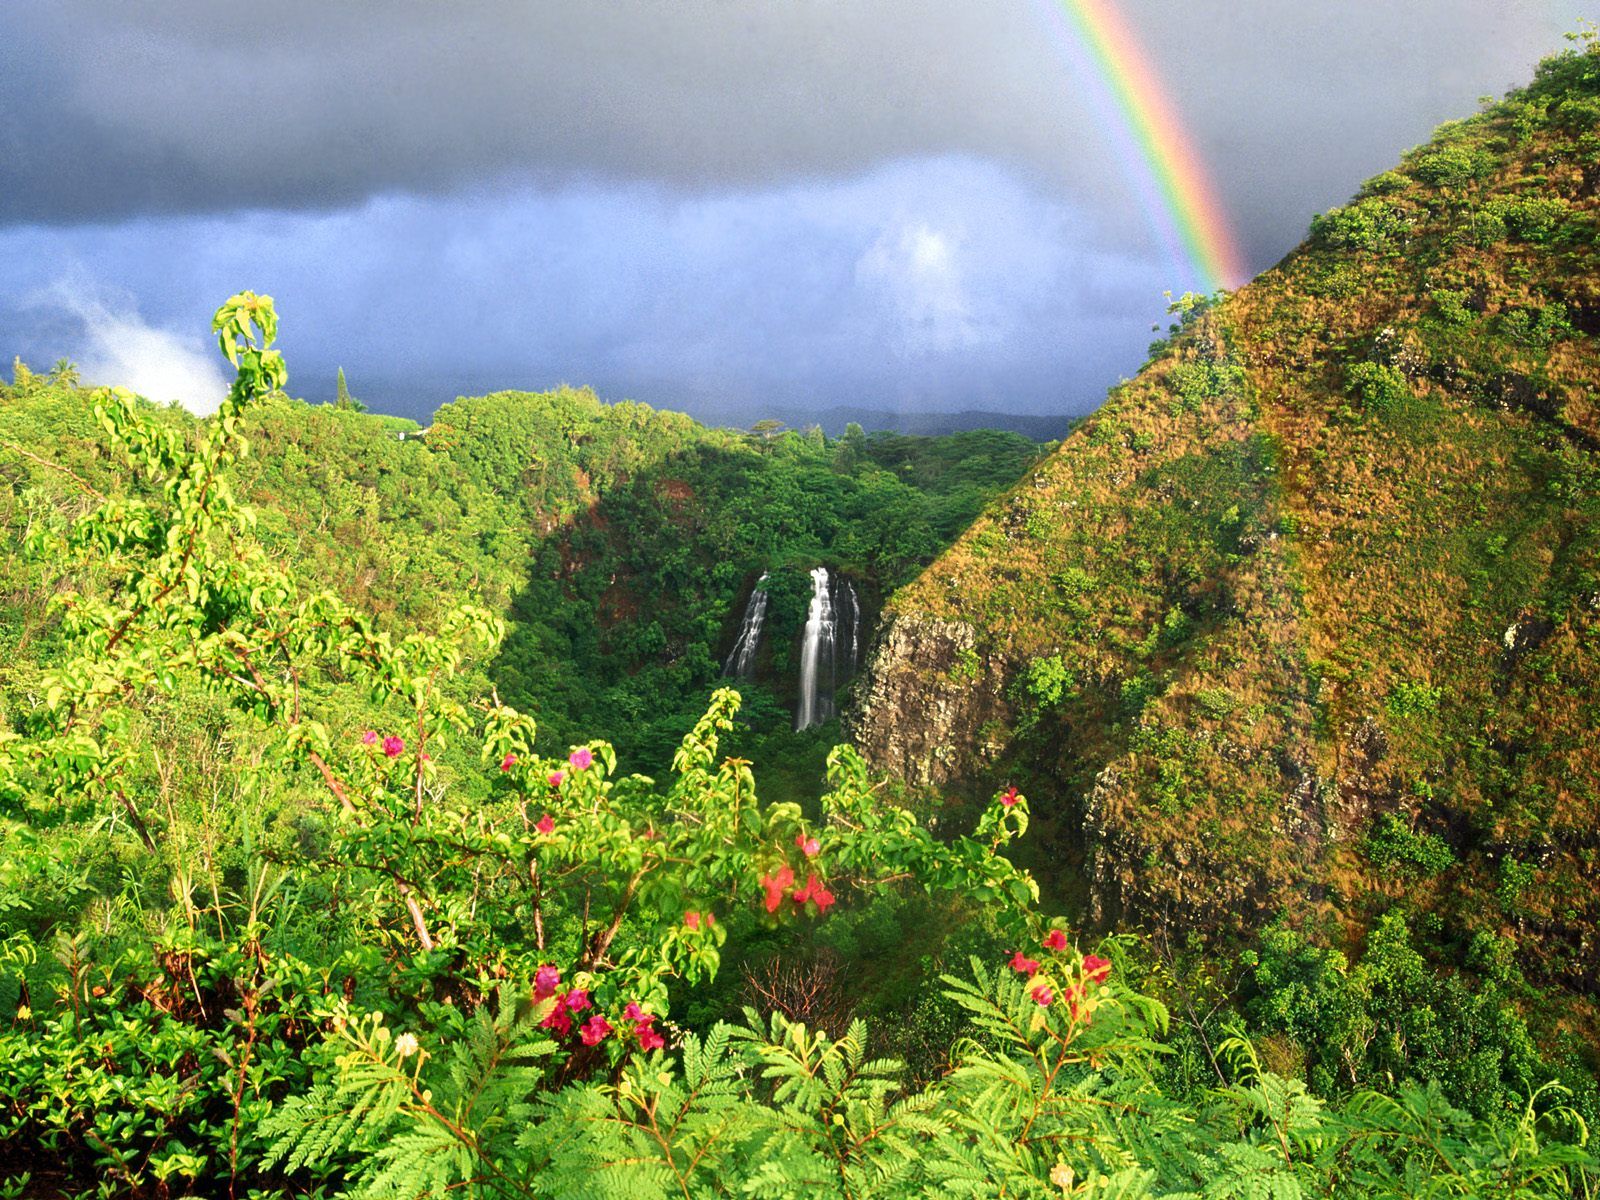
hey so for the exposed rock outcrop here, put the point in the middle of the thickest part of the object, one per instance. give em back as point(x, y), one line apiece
point(926, 693)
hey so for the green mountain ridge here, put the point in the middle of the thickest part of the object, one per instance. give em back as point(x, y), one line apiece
point(1304, 623)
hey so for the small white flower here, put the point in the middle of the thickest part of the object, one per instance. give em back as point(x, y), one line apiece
point(407, 1045)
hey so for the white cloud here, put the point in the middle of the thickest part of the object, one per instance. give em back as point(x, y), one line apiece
point(913, 269)
point(118, 349)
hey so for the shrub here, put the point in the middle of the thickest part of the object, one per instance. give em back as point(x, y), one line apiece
point(1488, 229)
point(1393, 845)
point(1409, 699)
point(1385, 184)
point(1536, 327)
point(1365, 225)
point(1532, 218)
point(1452, 307)
point(1453, 166)
point(1047, 680)
point(1382, 390)
point(1513, 878)
point(1195, 382)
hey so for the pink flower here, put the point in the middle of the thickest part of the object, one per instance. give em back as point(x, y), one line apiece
point(545, 982)
point(808, 845)
point(393, 746)
point(1055, 940)
point(581, 759)
point(370, 737)
point(649, 1039)
point(1009, 797)
point(814, 892)
point(634, 1013)
point(691, 920)
point(776, 884)
point(546, 824)
point(508, 762)
point(577, 1000)
point(559, 1020)
point(594, 1030)
point(1042, 996)
point(1095, 968)
point(1022, 964)
point(557, 778)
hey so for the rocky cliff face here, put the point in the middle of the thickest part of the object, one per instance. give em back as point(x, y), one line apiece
point(1311, 571)
point(926, 696)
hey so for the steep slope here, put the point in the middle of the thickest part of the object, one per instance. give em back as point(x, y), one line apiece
point(1310, 610)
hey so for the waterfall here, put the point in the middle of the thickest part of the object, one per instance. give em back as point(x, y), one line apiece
point(741, 662)
point(816, 656)
point(849, 631)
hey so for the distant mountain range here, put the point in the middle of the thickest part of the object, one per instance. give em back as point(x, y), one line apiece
point(926, 424)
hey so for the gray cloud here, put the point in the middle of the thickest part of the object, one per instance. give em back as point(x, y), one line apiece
point(166, 106)
point(939, 283)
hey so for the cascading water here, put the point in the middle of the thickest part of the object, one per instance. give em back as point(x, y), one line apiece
point(741, 662)
point(817, 656)
point(849, 631)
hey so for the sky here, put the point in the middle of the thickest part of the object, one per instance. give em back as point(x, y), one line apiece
point(733, 207)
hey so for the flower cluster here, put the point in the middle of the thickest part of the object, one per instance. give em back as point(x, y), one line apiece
point(644, 1027)
point(1094, 969)
point(595, 1028)
point(392, 745)
point(781, 880)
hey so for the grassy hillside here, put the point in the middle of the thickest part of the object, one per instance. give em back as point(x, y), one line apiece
point(1305, 621)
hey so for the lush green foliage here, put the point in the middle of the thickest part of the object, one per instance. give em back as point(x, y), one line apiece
point(222, 975)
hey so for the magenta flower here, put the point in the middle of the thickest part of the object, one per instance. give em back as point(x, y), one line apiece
point(634, 1013)
point(508, 762)
point(546, 824)
point(369, 738)
point(557, 778)
point(1009, 797)
point(1095, 968)
point(691, 920)
point(1022, 964)
point(581, 759)
point(1042, 996)
point(394, 746)
point(577, 1000)
point(808, 845)
point(649, 1039)
point(559, 1020)
point(594, 1030)
point(545, 982)
point(775, 885)
point(1055, 940)
point(814, 892)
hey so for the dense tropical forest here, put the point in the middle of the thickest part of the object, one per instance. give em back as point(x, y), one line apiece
point(388, 811)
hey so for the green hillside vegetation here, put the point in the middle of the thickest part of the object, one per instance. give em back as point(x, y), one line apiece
point(376, 963)
point(1303, 626)
point(372, 822)
point(619, 542)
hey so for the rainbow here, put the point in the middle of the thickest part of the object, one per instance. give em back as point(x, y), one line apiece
point(1148, 136)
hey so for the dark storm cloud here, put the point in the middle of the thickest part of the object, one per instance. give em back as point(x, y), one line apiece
point(926, 285)
point(145, 106)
